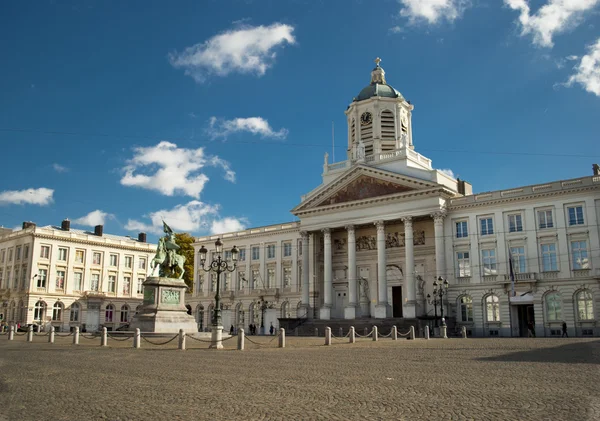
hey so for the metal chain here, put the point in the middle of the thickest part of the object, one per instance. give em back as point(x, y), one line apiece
point(162, 343)
point(340, 337)
point(121, 339)
point(40, 334)
point(4, 333)
point(197, 339)
point(88, 337)
point(20, 334)
point(63, 335)
point(385, 336)
point(364, 336)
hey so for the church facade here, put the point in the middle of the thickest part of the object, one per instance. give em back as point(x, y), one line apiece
point(384, 225)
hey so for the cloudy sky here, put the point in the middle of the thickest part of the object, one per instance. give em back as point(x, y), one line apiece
point(215, 115)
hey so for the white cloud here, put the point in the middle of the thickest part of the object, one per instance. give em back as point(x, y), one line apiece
point(94, 218)
point(432, 11)
point(227, 225)
point(171, 170)
point(248, 49)
point(41, 196)
point(190, 217)
point(396, 29)
point(448, 172)
point(554, 17)
point(59, 168)
point(587, 72)
point(255, 125)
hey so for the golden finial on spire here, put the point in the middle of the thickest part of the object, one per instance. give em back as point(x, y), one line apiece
point(377, 61)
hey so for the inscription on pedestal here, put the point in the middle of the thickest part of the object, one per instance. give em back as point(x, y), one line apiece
point(170, 296)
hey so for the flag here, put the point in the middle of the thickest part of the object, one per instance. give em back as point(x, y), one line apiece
point(511, 272)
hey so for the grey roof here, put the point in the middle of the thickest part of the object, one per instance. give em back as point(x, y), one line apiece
point(378, 89)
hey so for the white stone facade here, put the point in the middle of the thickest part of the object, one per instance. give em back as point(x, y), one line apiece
point(68, 277)
point(384, 224)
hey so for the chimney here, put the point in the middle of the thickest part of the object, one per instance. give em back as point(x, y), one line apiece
point(65, 225)
point(142, 237)
point(596, 169)
point(98, 229)
point(460, 185)
point(28, 224)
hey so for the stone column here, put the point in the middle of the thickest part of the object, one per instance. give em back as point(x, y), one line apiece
point(350, 311)
point(381, 309)
point(325, 312)
point(409, 271)
point(305, 273)
point(438, 225)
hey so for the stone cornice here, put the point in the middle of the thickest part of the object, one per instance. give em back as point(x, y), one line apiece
point(206, 240)
point(150, 249)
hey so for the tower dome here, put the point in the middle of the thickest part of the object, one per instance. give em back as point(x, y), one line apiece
point(378, 86)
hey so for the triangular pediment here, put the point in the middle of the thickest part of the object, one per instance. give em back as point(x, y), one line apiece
point(359, 185)
point(363, 187)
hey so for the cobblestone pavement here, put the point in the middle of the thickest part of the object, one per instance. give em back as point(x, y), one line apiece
point(454, 379)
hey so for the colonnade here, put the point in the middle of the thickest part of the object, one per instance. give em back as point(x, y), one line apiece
point(382, 308)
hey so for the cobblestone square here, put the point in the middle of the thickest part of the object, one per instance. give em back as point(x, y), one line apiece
point(454, 379)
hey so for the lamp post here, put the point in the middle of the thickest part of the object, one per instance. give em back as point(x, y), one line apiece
point(218, 265)
point(434, 302)
point(264, 305)
point(440, 288)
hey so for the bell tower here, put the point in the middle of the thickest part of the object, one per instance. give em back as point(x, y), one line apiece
point(379, 121)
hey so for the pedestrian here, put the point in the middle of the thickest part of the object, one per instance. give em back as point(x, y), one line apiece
point(271, 329)
point(231, 330)
point(564, 329)
point(531, 328)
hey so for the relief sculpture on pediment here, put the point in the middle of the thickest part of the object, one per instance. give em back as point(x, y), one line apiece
point(365, 187)
point(339, 245)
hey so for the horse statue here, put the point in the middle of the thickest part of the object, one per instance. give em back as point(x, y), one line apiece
point(166, 257)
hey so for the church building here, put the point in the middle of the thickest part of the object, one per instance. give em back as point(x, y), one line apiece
point(385, 232)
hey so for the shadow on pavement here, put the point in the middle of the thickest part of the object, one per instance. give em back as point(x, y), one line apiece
point(572, 353)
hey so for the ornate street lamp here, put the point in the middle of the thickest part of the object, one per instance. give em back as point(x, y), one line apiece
point(440, 288)
point(218, 265)
point(434, 301)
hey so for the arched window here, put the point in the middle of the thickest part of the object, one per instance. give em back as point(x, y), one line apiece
point(585, 305)
point(138, 308)
point(285, 310)
point(492, 306)
point(124, 313)
point(57, 312)
point(39, 311)
point(466, 308)
point(110, 311)
point(74, 316)
point(553, 307)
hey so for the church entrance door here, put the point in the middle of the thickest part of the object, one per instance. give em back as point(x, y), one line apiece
point(397, 301)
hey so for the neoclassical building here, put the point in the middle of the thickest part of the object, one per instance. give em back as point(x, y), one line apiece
point(384, 224)
point(64, 277)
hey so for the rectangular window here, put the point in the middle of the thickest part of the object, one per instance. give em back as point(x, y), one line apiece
point(8, 273)
point(287, 249)
point(242, 255)
point(515, 223)
point(45, 252)
point(255, 253)
point(126, 285)
point(62, 254)
point(271, 278)
point(2, 256)
point(23, 276)
point(77, 281)
point(140, 286)
point(142, 263)
point(287, 277)
point(462, 229)
point(575, 215)
point(255, 279)
point(60, 279)
point(1, 273)
point(227, 255)
point(488, 258)
point(241, 280)
point(112, 281)
point(487, 226)
point(464, 264)
point(10, 255)
point(549, 262)
point(79, 256)
point(226, 282)
point(16, 279)
point(114, 260)
point(545, 219)
point(271, 251)
point(41, 278)
point(95, 282)
point(299, 247)
point(579, 255)
point(518, 259)
point(26, 251)
point(128, 262)
point(97, 258)
point(18, 253)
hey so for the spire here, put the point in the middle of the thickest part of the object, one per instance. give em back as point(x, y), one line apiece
point(378, 74)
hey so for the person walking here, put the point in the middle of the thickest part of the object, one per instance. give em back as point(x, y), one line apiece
point(564, 330)
point(231, 330)
point(271, 329)
point(531, 328)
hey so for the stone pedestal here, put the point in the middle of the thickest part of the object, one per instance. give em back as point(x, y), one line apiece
point(350, 312)
point(410, 310)
point(217, 337)
point(381, 311)
point(163, 309)
point(325, 313)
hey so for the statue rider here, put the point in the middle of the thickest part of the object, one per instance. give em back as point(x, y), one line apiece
point(170, 245)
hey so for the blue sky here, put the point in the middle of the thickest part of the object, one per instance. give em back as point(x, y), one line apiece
point(215, 115)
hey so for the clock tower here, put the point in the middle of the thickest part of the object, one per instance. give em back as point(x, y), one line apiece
point(379, 120)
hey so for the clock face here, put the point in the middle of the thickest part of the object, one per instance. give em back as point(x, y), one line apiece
point(366, 118)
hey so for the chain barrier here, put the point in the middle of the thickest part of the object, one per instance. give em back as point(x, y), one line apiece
point(385, 336)
point(20, 334)
point(198, 339)
point(364, 336)
point(119, 339)
point(404, 334)
point(89, 337)
point(162, 343)
point(340, 337)
point(63, 335)
point(259, 344)
point(4, 333)
point(41, 334)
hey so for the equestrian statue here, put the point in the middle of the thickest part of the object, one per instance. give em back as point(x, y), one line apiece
point(166, 257)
